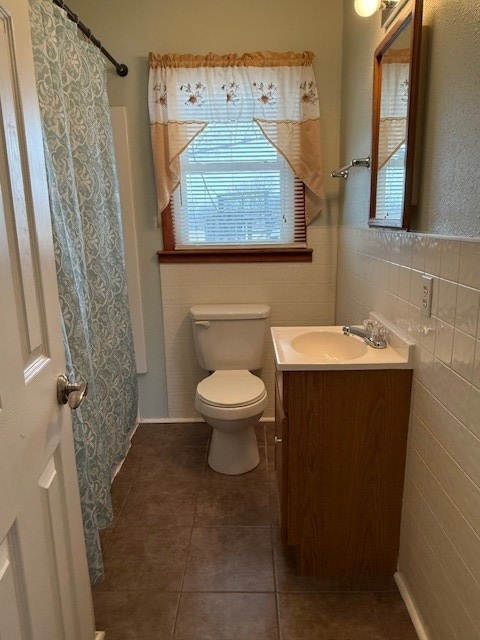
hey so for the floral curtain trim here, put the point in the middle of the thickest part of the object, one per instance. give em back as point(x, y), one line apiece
point(219, 94)
point(278, 91)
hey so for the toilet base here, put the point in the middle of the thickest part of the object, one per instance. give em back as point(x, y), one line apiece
point(233, 452)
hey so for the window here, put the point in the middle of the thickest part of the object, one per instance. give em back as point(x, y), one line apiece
point(236, 190)
point(236, 145)
point(391, 186)
point(391, 171)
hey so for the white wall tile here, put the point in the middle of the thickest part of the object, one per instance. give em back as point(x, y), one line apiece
point(433, 256)
point(423, 363)
point(404, 279)
point(444, 342)
point(451, 390)
point(427, 332)
point(473, 420)
point(437, 600)
point(476, 366)
point(416, 288)
point(393, 277)
point(419, 252)
point(447, 299)
point(450, 260)
point(469, 268)
point(405, 242)
point(453, 480)
point(463, 354)
point(466, 312)
point(459, 591)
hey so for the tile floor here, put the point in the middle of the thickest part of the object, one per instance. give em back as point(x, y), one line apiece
point(195, 555)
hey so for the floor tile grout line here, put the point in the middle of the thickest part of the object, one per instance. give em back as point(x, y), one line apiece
point(116, 517)
point(272, 540)
point(187, 555)
point(242, 591)
point(265, 453)
point(275, 582)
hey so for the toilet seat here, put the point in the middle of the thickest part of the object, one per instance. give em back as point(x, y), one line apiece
point(231, 388)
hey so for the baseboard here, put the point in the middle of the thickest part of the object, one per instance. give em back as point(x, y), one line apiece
point(100, 635)
point(181, 420)
point(411, 608)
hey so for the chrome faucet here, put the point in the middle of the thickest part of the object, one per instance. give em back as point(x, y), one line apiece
point(373, 333)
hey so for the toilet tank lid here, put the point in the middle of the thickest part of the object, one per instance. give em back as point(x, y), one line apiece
point(229, 311)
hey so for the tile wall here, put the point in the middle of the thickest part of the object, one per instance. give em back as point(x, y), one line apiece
point(298, 293)
point(440, 540)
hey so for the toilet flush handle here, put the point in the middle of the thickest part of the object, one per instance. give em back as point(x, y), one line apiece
point(203, 323)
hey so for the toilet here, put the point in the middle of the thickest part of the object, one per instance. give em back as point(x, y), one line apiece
point(230, 343)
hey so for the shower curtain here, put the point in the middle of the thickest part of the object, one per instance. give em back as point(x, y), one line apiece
point(85, 210)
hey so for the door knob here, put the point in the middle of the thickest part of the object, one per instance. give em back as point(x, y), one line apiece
point(71, 392)
point(277, 440)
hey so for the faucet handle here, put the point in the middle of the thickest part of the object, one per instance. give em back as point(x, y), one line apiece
point(376, 333)
point(379, 332)
point(379, 336)
point(369, 325)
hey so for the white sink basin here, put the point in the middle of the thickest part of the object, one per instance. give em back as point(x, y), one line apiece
point(328, 345)
point(322, 348)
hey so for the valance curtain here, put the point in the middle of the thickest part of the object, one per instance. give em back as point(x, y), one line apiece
point(277, 91)
point(394, 104)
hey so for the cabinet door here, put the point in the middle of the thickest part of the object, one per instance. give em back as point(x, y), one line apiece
point(346, 452)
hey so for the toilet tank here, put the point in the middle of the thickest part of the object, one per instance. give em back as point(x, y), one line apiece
point(230, 336)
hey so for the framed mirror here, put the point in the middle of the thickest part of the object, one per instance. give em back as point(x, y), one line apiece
point(396, 79)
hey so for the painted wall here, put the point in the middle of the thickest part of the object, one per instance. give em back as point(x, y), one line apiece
point(130, 30)
point(381, 270)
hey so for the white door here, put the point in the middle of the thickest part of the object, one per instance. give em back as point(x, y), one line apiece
point(44, 586)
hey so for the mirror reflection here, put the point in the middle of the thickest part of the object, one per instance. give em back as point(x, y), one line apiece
point(392, 135)
point(394, 118)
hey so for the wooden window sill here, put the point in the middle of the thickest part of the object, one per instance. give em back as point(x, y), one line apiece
point(235, 255)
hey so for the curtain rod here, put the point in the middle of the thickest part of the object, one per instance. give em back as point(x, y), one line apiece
point(122, 69)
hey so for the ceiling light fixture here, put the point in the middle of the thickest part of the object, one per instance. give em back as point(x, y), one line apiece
point(366, 8)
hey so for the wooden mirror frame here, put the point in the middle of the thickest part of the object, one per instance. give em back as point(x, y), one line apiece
point(410, 15)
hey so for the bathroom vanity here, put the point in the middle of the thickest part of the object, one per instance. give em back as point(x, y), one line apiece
point(340, 448)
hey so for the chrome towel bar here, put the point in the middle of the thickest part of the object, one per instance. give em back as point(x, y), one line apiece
point(356, 162)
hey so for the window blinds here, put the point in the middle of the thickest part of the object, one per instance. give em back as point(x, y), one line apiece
point(236, 189)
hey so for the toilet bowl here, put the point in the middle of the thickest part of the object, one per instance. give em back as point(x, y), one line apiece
point(229, 342)
point(231, 402)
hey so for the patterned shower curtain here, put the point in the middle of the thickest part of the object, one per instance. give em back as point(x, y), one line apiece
point(85, 209)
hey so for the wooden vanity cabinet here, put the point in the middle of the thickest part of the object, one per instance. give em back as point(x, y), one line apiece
point(340, 457)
